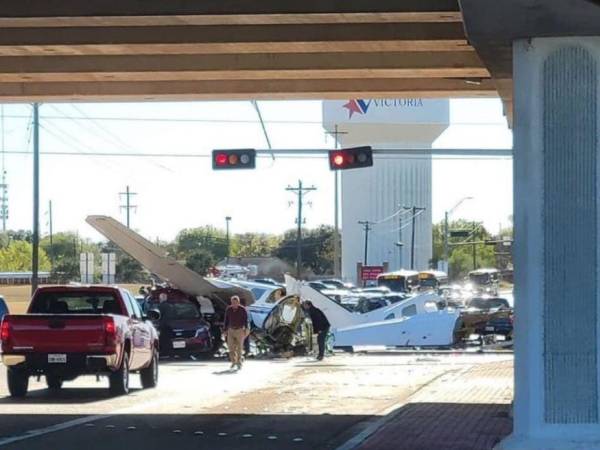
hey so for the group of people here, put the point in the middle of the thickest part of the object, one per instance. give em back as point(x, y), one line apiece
point(236, 329)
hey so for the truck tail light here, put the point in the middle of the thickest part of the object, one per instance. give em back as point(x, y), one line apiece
point(4, 331)
point(110, 331)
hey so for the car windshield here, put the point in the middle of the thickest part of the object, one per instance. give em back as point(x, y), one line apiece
point(76, 303)
point(480, 278)
point(396, 285)
point(488, 303)
point(178, 310)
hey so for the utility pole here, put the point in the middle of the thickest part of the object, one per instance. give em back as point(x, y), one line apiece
point(227, 220)
point(50, 232)
point(474, 247)
point(400, 244)
point(128, 206)
point(300, 191)
point(414, 210)
point(36, 199)
point(366, 227)
point(337, 272)
point(3, 184)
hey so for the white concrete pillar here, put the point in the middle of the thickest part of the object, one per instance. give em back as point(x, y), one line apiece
point(557, 252)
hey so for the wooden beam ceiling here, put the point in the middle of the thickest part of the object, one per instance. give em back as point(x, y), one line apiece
point(185, 49)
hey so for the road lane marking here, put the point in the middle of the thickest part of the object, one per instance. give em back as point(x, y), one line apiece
point(77, 422)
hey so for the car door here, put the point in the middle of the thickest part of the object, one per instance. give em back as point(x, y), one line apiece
point(139, 336)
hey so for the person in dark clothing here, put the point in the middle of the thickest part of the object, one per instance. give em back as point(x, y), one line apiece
point(320, 325)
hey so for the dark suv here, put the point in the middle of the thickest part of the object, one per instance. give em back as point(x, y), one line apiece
point(182, 329)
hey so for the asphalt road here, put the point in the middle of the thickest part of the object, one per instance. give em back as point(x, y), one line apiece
point(270, 404)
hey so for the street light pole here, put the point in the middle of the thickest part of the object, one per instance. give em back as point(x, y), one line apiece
point(227, 220)
point(447, 231)
point(36, 198)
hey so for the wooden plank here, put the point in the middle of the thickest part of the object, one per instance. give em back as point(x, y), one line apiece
point(430, 45)
point(238, 34)
point(249, 66)
point(229, 19)
point(90, 8)
point(244, 90)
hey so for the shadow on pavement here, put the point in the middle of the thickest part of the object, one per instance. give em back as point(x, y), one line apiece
point(447, 426)
point(185, 431)
point(66, 396)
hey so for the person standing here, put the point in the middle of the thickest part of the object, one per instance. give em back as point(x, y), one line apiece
point(236, 330)
point(320, 325)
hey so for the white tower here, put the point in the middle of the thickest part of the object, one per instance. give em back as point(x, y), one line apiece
point(393, 182)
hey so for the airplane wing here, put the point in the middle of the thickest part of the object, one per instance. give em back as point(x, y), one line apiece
point(156, 260)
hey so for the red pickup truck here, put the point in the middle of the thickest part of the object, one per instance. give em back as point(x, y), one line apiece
point(70, 331)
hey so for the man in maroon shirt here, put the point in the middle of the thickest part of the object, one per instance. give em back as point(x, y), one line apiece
point(236, 330)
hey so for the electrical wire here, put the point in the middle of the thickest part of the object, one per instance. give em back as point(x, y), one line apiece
point(107, 135)
point(409, 222)
point(248, 121)
point(397, 213)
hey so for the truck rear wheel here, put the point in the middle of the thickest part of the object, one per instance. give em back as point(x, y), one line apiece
point(54, 383)
point(18, 382)
point(119, 380)
point(149, 375)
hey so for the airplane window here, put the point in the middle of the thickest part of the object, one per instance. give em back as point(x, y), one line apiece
point(430, 307)
point(410, 311)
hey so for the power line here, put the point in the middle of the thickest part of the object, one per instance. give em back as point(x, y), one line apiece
point(400, 212)
point(408, 224)
point(414, 210)
point(248, 121)
point(106, 135)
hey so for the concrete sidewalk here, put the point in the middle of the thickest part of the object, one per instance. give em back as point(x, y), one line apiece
point(465, 410)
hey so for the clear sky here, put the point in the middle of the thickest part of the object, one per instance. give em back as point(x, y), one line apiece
point(177, 192)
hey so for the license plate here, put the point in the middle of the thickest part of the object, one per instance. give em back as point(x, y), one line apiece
point(489, 328)
point(178, 344)
point(57, 359)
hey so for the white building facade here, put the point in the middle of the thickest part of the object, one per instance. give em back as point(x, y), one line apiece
point(381, 193)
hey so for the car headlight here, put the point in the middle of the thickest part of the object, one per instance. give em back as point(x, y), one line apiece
point(202, 332)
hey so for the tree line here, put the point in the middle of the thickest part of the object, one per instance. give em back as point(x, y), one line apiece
point(198, 248)
point(203, 247)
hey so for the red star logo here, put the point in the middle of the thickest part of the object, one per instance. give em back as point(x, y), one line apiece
point(352, 107)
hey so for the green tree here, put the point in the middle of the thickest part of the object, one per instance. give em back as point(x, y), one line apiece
point(64, 254)
point(208, 238)
point(128, 270)
point(317, 249)
point(200, 261)
point(460, 260)
point(16, 257)
point(254, 244)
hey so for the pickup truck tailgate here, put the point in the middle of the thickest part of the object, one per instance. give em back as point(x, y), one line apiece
point(69, 333)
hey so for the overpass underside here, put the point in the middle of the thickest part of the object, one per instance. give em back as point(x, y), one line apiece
point(123, 50)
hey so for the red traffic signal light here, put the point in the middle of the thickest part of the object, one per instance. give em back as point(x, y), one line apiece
point(234, 159)
point(350, 158)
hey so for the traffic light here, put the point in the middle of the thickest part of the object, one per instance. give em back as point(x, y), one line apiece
point(234, 159)
point(350, 158)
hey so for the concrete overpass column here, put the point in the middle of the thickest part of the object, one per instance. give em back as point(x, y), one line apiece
point(557, 252)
